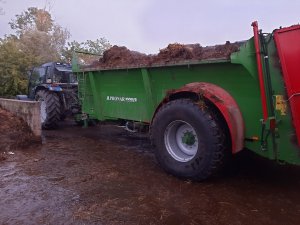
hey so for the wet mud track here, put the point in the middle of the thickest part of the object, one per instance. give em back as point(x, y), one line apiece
point(103, 175)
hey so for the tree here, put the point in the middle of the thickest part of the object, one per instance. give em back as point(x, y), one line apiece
point(93, 50)
point(32, 19)
point(39, 35)
point(14, 65)
point(37, 39)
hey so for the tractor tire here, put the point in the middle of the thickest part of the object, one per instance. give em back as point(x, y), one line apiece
point(50, 109)
point(188, 139)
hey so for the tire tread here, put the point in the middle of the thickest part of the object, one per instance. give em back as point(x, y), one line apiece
point(218, 148)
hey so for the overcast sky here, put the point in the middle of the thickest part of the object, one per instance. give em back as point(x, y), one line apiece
point(149, 25)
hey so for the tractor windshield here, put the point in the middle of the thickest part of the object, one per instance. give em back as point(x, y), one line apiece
point(63, 75)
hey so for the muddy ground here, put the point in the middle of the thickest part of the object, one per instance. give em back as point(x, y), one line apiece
point(104, 175)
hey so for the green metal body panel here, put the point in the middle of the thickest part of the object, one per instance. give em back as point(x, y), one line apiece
point(135, 93)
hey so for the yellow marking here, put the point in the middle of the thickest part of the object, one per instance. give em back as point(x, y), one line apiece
point(255, 138)
point(280, 104)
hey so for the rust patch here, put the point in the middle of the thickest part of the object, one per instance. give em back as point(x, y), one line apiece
point(216, 99)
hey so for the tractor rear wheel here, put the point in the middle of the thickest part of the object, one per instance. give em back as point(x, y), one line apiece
point(50, 109)
point(188, 139)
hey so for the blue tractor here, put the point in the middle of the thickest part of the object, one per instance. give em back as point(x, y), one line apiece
point(56, 87)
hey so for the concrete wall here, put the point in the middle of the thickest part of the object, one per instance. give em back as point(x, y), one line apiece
point(28, 110)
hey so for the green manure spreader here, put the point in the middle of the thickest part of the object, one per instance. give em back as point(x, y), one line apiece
point(200, 104)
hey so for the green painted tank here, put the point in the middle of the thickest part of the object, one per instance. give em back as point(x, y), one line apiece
point(199, 111)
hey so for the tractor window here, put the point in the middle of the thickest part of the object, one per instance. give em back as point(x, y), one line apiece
point(37, 75)
point(62, 75)
point(48, 75)
point(72, 77)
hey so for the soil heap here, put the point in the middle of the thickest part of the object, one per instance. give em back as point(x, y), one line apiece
point(14, 133)
point(121, 57)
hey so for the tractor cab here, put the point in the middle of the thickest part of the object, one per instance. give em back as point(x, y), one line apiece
point(52, 76)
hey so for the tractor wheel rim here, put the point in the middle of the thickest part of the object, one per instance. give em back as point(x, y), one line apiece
point(181, 141)
point(43, 111)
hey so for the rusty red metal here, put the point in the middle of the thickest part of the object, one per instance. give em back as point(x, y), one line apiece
point(289, 54)
point(260, 72)
point(226, 105)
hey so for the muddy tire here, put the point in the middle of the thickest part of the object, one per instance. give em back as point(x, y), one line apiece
point(189, 142)
point(50, 109)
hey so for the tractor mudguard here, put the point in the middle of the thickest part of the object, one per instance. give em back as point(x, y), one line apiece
point(225, 104)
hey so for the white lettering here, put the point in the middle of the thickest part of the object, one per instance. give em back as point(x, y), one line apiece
point(121, 99)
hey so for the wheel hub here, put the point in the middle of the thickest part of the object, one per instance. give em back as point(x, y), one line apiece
point(188, 138)
point(181, 141)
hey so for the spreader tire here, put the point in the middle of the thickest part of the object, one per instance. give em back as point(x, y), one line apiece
point(50, 109)
point(189, 142)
